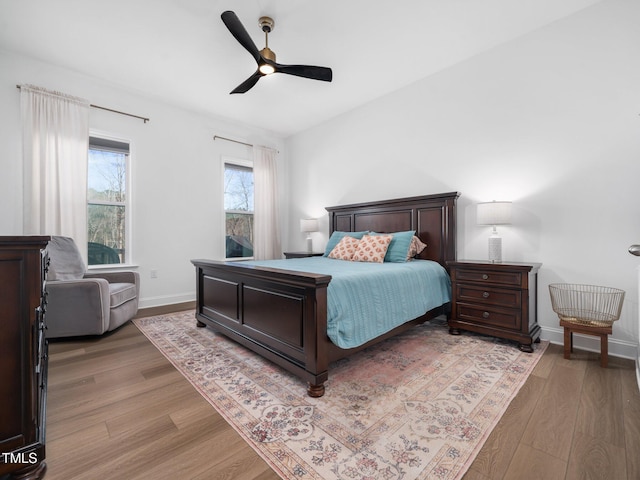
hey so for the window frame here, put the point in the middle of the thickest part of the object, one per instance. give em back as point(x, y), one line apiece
point(128, 226)
point(240, 162)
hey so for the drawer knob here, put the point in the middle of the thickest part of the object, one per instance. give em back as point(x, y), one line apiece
point(485, 315)
point(485, 276)
point(485, 294)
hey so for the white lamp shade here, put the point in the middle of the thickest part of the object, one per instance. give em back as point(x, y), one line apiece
point(309, 225)
point(494, 213)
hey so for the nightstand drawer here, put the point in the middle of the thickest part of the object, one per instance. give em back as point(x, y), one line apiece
point(490, 316)
point(489, 276)
point(490, 296)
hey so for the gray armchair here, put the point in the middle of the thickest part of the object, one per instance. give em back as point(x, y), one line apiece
point(81, 303)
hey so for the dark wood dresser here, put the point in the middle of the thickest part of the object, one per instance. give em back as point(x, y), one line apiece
point(498, 299)
point(23, 356)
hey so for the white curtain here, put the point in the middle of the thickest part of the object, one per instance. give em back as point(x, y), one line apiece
point(55, 136)
point(266, 236)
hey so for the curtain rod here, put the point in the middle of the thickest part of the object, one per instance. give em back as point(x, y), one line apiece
point(144, 119)
point(215, 137)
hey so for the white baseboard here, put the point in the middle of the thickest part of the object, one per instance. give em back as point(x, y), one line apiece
point(617, 348)
point(162, 300)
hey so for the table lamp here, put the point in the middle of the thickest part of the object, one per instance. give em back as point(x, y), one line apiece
point(308, 225)
point(494, 213)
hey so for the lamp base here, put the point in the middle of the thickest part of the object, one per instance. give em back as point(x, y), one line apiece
point(309, 244)
point(495, 249)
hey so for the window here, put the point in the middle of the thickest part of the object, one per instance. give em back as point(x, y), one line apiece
point(238, 208)
point(108, 168)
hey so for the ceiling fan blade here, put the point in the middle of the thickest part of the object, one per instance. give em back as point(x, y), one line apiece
point(316, 73)
point(248, 83)
point(236, 28)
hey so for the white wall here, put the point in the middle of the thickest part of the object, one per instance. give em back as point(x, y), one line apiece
point(549, 121)
point(176, 172)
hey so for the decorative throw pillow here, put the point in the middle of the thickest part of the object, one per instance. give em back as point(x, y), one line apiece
point(372, 248)
point(337, 236)
point(399, 247)
point(345, 248)
point(416, 247)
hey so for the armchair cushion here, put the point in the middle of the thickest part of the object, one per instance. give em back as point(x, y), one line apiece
point(67, 263)
point(123, 286)
point(120, 293)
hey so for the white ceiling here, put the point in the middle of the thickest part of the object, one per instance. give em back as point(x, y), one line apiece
point(181, 52)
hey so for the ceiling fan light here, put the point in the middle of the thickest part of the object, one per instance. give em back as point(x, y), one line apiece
point(266, 69)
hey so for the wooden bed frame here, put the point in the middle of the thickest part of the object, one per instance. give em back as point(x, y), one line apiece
point(282, 315)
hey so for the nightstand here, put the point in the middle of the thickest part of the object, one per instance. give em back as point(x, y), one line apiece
point(498, 299)
point(302, 254)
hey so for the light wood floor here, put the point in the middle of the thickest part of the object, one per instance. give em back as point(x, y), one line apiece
point(117, 409)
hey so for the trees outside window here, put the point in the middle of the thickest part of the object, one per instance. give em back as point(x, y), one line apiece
point(238, 207)
point(108, 167)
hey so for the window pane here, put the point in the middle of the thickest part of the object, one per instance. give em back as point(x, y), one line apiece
point(107, 170)
point(106, 234)
point(238, 205)
point(106, 176)
point(238, 188)
point(239, 235)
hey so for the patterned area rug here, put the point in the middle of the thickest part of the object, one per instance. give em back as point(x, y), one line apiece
point(417, 406)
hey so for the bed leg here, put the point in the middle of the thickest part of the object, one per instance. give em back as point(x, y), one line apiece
point(315, 391)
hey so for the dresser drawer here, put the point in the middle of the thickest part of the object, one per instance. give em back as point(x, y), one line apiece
point(511, 319)
point(467, 293)
point(489, 276)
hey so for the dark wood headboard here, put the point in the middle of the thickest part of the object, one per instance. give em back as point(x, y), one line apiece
point(433, 217)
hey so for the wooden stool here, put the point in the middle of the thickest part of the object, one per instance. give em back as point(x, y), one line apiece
point(570, 328)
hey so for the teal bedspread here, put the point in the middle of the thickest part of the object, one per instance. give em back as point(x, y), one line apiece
point(366, 300)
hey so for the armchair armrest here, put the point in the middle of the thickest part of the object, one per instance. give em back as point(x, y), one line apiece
point(77, 307)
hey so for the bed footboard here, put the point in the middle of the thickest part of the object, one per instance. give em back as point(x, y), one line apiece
point(280, 315)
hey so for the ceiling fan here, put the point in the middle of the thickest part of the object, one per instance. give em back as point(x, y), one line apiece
point(266, 58)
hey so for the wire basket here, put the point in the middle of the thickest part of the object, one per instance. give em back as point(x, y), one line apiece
point(586, 304)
